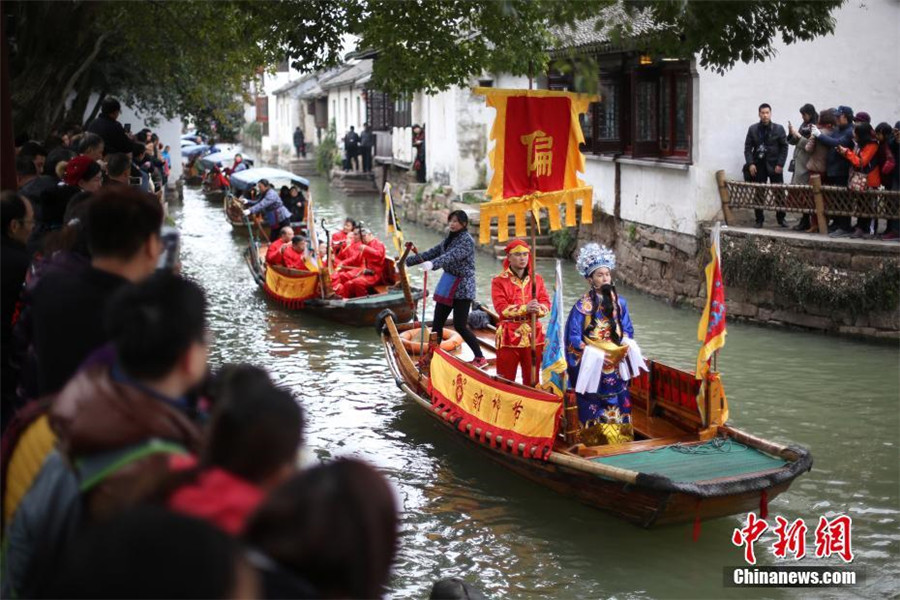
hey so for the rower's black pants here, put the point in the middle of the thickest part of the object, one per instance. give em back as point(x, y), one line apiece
point(460, 311)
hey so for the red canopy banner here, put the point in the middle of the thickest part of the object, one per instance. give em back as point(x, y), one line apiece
point(536, 158)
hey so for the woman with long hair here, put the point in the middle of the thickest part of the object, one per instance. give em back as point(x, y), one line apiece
point(798, 167)
point(863, 157)
point(455, 290)
point(888, 166)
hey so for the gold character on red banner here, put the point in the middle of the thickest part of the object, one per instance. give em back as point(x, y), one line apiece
point(540, 153)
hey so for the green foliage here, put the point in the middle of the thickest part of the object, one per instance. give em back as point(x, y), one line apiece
point(184, 58)
point(564, 240)
point(253, 131)
point(756, 264)
point(420, 194)
point(327, 153)
point(473, 197)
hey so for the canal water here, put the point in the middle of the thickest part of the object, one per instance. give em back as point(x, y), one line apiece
point(466, 517)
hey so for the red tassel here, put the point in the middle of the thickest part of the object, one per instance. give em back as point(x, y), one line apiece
point(696, 533)
point(764, 504)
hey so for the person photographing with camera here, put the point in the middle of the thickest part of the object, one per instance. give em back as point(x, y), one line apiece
point(765, 152)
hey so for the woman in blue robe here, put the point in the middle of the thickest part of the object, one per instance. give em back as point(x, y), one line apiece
point(600, 318)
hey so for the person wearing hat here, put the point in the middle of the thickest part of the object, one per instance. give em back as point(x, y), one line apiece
point(837, 169)
point(596, 339)
point(515, 304)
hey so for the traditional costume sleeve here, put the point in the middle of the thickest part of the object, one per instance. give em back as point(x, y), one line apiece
point(273, 254)
point(505, 303)
point(627, 327)
point(574, 332)
point(542, 297)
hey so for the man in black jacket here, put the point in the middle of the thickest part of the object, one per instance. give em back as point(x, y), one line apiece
point(107, 126)
point(68, 307)
point(765, 151)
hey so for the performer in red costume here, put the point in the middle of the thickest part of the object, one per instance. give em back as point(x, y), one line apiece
point(339, 239)
point(373, 253)
point(274, 255)
point(348, 262)
point(296, 256)
point(514, 303)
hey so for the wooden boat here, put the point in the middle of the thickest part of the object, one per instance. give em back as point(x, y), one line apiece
point(282, 285)
point(675, 471)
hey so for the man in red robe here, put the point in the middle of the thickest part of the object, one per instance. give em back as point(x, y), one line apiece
point(348, 262)
point(274, 255)
point(296, 256)
point(373, 253)
point(515, 304)
point(339, 239)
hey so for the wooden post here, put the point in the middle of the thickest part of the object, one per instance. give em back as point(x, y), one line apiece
point(725, 197)
point(816, 182)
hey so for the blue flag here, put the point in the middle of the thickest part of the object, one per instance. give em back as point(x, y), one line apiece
point(553, 365)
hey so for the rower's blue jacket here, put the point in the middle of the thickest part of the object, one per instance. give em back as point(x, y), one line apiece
point(455, 255)
point(272, 207)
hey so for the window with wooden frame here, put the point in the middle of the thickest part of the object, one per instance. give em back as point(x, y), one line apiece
point(380, 108)
point(402, 112)
point(645, 111)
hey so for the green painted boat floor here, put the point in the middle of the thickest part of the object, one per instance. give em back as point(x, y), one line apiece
point(696, 462)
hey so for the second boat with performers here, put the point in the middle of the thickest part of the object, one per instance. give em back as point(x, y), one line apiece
point(347, 277)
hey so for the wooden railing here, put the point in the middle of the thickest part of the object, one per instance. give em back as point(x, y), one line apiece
point(822, 201)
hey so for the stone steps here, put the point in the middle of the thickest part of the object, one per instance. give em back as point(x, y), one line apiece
point(354, 182)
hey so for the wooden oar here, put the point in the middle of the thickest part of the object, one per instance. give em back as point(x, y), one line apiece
point(404, 280)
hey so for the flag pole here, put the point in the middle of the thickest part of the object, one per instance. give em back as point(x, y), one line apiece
point(533, 274)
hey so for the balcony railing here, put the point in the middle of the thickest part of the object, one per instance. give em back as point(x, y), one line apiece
point(814, 199)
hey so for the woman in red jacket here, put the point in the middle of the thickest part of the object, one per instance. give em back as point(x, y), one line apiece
point(862, 157)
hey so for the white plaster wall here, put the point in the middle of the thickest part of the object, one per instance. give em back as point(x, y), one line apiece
point(282, 129)
point(851, 67)
point(441, 143)
point(401, 144)
point(168, 130)
point(271, 82)
point(353, 117)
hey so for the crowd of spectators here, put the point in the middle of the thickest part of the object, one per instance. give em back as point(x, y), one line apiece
point(130, 468)
point(844, 148)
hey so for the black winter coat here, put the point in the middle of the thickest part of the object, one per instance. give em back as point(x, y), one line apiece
point(776, 147)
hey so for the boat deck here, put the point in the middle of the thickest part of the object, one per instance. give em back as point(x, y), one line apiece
point(693, 462)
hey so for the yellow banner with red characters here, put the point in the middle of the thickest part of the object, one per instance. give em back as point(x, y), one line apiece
point(511, 415)
point(291, 290)
point(536, 159)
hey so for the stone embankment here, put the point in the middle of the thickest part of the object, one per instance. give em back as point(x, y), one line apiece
point(772, 277)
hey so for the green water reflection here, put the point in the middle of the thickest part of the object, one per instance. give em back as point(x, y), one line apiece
point(463, 517)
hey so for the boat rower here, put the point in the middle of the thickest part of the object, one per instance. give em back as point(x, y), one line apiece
point(515, 304)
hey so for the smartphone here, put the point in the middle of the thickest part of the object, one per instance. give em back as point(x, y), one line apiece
point(171, 242)
point(128, 127)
